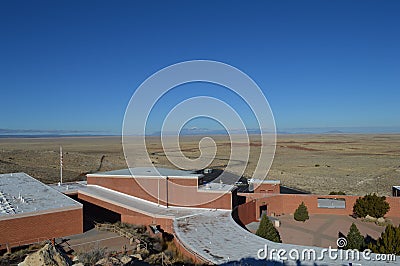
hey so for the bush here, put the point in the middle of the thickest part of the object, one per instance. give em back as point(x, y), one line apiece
point(301, 213)
point(92, 256)
point(371, 205)
point(337, 193)
point(267, 230)
point(388, 242)
point(354, 239)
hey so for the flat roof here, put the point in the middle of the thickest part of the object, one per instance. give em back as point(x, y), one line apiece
point(69, 187)
point(149, 172)
point(264, 181)
point(217, 238)
point(22, 194)
point(217, 187)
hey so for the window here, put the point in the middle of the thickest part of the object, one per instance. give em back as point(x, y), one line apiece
point(332, 203)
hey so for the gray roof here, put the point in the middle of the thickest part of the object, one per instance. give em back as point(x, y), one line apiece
point(264, 181)
point(216, 187)
point(69, 188)
point(148, 172)
point(217, 238)
point(21, 194)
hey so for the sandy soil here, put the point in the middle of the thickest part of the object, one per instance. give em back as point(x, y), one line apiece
point(355, 164)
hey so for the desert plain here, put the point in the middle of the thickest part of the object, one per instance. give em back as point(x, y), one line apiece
point(356, 164)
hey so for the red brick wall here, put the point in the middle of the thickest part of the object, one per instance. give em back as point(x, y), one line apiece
point(268, 188)
point(130, 186)
point(187, 253)
point(288, 203)
point(181, 192)
point(36, 228)
point(247, 212)
point(394, 203)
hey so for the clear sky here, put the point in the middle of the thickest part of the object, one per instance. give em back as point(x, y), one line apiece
point(73, 65)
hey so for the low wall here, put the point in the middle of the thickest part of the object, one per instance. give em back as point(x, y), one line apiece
point(280, 204)
point(188, 253)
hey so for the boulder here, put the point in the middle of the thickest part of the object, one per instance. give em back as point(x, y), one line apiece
point(370, 218)
point(137, 256)
point(125, 260)
point(158, 259)
point(108, 261)
point(381, 220)
point(47, 255)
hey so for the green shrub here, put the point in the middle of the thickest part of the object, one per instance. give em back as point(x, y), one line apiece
point(267, 230)
point(301, 213)
point(354, 239)
point(337, 193)
point(371, 205)
point(388, 242)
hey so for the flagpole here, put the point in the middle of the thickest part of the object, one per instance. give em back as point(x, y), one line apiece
point(61, 165)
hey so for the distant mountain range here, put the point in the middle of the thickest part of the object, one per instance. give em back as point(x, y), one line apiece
point(31, 133)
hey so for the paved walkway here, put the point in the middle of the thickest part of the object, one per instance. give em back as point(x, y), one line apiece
point(323, 230)
point(93, 239)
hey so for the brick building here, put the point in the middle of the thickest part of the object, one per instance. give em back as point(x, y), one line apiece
point(31, 211)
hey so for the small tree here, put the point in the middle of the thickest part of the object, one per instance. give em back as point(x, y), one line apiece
point(267, 230)
point(354, 239)
point(301, 213)
point(371, 205)
point(388, 242)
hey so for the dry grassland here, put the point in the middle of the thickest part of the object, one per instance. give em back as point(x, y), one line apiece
point(355, 164)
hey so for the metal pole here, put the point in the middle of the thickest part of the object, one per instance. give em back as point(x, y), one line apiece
point(61, 165)
point(166, 180)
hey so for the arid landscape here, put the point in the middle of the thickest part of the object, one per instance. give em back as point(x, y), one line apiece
point(355, 164)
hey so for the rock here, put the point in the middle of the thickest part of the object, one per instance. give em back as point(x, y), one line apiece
point(137, 256)
point(157, 247)
point(381, 220)
point(126, 260)
point(370, 218)
point(47, 255)
point(78, 264)
point(108, 261)
point(158, 259)
point(144, 253)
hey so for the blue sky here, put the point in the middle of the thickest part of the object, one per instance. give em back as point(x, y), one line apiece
point(73, 65)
